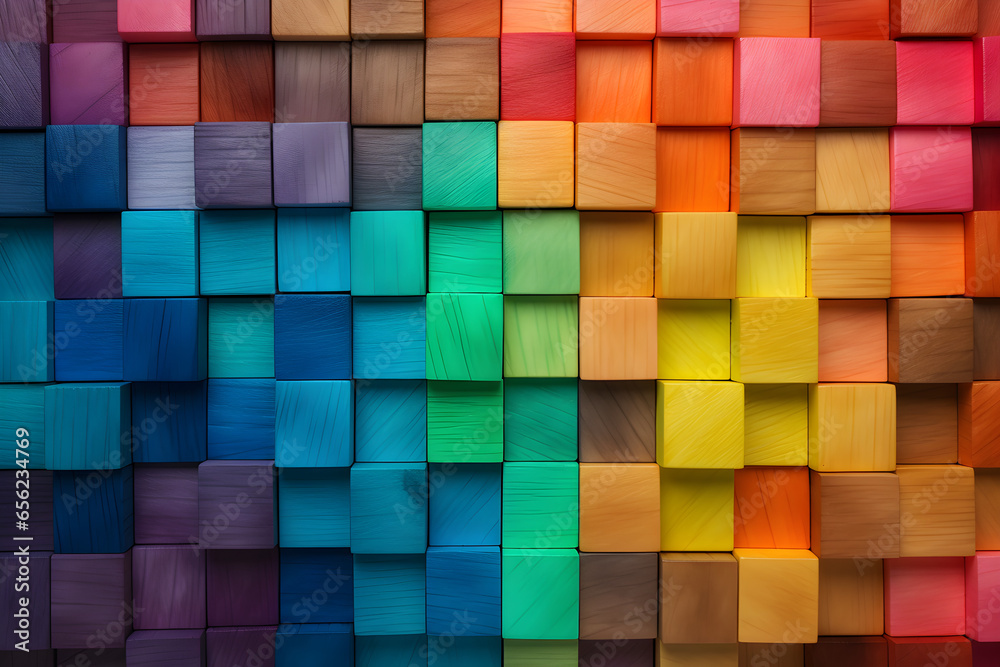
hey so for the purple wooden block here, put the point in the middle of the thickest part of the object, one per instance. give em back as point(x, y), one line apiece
point(91, 600)
point(85, 21)
point(232, 165)
point(24, 75)
point(87, 250)
point(312, 164)
point(168, 586)
point(33, 580)
point(30, 659)
point(166, 504)
point(236, 505)
point(233, 19)
point(633, 653)
point(241, 647)
point(166, 648)
point(24, 21)
point(91, 657)
point(41, 526)
point(242, 587)
point(87, 84)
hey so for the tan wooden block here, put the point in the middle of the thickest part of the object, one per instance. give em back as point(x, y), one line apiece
point(387, 83)
point(854, 515)
point(987, 509)
point(616, 253)
point(937, 508)
point(852, 427)
point(848, 257)
point(616, 166)
point(310, 20)
point(698, 598)
point(695, 255)
point(619, 507)
point(463, 78)
point(374, 19)
point(773, 171)
point(535, 164)
point(852, 170)
point(930, 340)
point(618, 338)
point(778, 588)
point(850, 597)
point(926, 423)
point(697, 655)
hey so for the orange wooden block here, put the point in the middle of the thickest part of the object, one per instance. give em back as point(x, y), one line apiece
point(989, 18)
point(982, 253)
point(774, 18)
point(933, 18)
point(987, 509)
point(692, 86)
point(853, 340)
point(615, 166)
point(979, 424)
point(926, 423)
point(771, 508)
point(613, 82)
point(237, 82)
point(163, 84)
point(773, 171)
point(619, 507)
point(850, 19)
point(692, 169)
point(624, 19)
point(462, 18)
point(616, 254)
point(928, 255)
point(617, 338)
point(537, 16)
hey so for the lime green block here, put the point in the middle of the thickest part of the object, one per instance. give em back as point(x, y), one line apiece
point(540, 419)
point(387, 253)
point(540, 336)
point(460, 166)
point(465, 252)
point(541, 252)
point(540, 653)
point(464, 333)
point(464, 422)
point(693, 339)
point(241, 338)
point(540, 594)
point(541, 503)
point(770, 256)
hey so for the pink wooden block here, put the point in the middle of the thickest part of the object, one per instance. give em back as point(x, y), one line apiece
point(982, 596)
point(710, 18)
point(924, 597)
point(931, 169)
point(986, 63)
point(156, 20)
point(934, 83)
point(778, 79)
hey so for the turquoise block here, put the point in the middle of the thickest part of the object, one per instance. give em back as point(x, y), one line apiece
point(460, 166)
point(388, 253)
point(464, 336)
point(389, 338)
point(241, 338)
point(315, 507)
point(464, 251)
point(392, 651)
point(237, 252)
point(389, 594)
point(26, 265)
point(540, 419)
point(160, 253)
point(541, 593)
point(389, 508)
point(22, 406)
point(25, 328)
point(87, 426)
point(390, 421)
point(314, 250)
point(314, 424)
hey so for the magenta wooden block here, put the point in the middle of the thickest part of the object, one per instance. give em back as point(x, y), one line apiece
point(168, 585)
point(707, 18)
point(87, 84)
point(166, 504)
point(985, 654)
point(165, 648)
point(312, 164)
point(16, 584)
point(40, 528)
point(982, 596)
point(227, 20)
point(91, 597)
point(242, 587)
point(776, 81)
point(24, 76)
point(90, 657)
point(934, 83)
point(924, 597)
point(87, 252)
point(236, 505)
point(85, 21)
point(156, 20)
point(931, 169)
point(986, 65)
point(241, 647)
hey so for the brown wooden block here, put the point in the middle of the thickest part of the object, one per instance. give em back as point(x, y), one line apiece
point(618, 421)
point(850, 596)
point(310, 20)
point(936, 510)
point(463, 78)
point(930, 340)
point(933, 18)
point(698, 598)
point(854, 515)
point(926, 423)
point(858, 83)
point(312, 82)
point(618, 595)
point(989, 18)
point(237, 82)
point(376, 19)
point(387, 83)
point(462, 18)
point(986, 339)
point(987, 509)
point(774, 18)
point(854, 651)
point(773, 655)
point(955, 651)
point(697, 655)
point(979, 424)
point(619, 507)
point(773, 171)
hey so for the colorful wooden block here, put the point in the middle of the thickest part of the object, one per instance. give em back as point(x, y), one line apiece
point(540, 505)
point(690, 164)
point(852, 427)
point(914, 651)
point(773, 171)
point(693, 339)
point(775, 340)
point(389, 338)
point(163, 84)
point(90, 593)
point(87, 84)
point(696, 510)
point(632, 654)
point(159, 648)
point(242, 586)
point(463, 583)
point(698, 655)
point(165, 503)
point(917, 239)
point(848, 257)
point(699, 424)
point(985, 54)
point(617, 422)
point(618, 338)
point(982, 231)
point(312, 337)
point(168, 586)
point(850, 598)
point(850, 19)
point(934, 83)
point(89, 520)
point(978, 430)
point(459, 18)
point(541, 252)
point(774, 18)
point(695, 255)
point(165, 340)
point(87, 257)
point(389, 594)
point(387, 83)
point(406, 21)
point(771, 508)
point(776, 587)
point(159, 252)
point(697, 598)
point(306, 571)
point(314, 424)
point(791, 100)
point(247, 486)
point(465, 506)
point(677, 98)
point(537, 73)
point(312, 164)
point(459, 166)
point(27, 274)
point(41, 528)
point(312, 83)
point(858, 82)
point(390, 421)
point(462, 80)
point(310, 20)
point(236, 252)
point(237, 82)
point(937, 510)
point(705, 17)
point(96, 352)
point(22, 173)
point(217, 20)
point(22, 406)
point(541, 593)
point(216, 147)
point(921, 183)
point(160, 167)
point(926, 423)
point(613, 82)
point(612, 588)
point(980, 590)
point(919, 18)
point(930, 340)
point(985, 321)
point(535, 164)
point(924, 597)
point(616, 254)
point(465, 252)
point(619, 507)
point(391, 650)
point(315, 508)
point(540, 336)
point(389, 508)
point(385, 168)
point(85, 168)
point(759, 240)
point(241, 419)
point(528, 17)
point(464, 336)
point(314, 250)
point(26, 70)
point(540, 419)
point(633, 20)
point(775, 424)
point(855, 515)
point(780, 655)
point(852, 170)
point(387, 253)
point(26, 355)
point(985, 167)
point(852, 340)
point(168, 422)
point(229, 646)
point(298, 644)
point(171, 21)
point(616, 166)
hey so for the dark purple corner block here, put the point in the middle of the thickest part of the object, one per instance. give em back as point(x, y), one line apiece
point(242, 587)
point(41, 527)
point(312, 164)
point(85, 21)
point(87, 84)
point(24, 71)
point(87, 249)
point(236, 505)
point(34, 576)
point(91, 598)
point(166, 504)
point(168, 586)
point(40, 658)
point(241, 647)
point(232, 165)
point(24, 21)
point(166, 648)
point(233, 19)
point(91, 657)
point(633, 653)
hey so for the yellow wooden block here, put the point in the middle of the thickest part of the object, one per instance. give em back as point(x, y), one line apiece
point(617, 338)
point(775, 340)
point(619, 507)
point(695, 255)
point(696, 510)
point(848, 257)
point(852, 170)
point(535, 164)
point(697, 655)
point(310, 20)
point(852, 427)
point(693, 337)
point(850, 596)
point(778, 596)
point(776, 425)
point(616, 166)
point(771, 256)
point(616, 253)
point(937, 510)
point(699, 425)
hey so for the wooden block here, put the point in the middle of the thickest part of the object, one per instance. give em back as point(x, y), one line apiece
point(95, 353)
point(690, 165)
point(978, 427)
point(780, 655)
point(225, 646)
point(697, 597)
point(25, 346)
point(180, 436)
point(462, 18)
point(539, 652)
point(25, 68)
point(236, 252)
point(635, 19)
point(785, 349)
point(613, 82)
point(312, 83)
point(616, 254)
point(22, 173)
point(986, 323)
point(852, 427)
point(699, 424)
point(305, 643)
point(160, 169)
point(693, 339)
point(89, 592)
point(91, 522)
point(28, 274)
point(852, 170)
point(855, 515)
point(698, 655)
point(617, 422)
point(168, 586)
point(312, 164)
point(462, 81)
point(984, 653)
point(305, 570)
point(618, 338)
point(921, 18)
point(313, 250)
point(758, 241)
point(937, 510)
point(712, 18)
point(85, 21)
point(216, 145)
point(537, 76)
point(765, 100)
point(982, 253)
point(540, 336)
point(464, 252)
point(314, 424)
point(926, 423)
point(985, 168)
point(243, 586)
point(310, 20)
point(463, 580)
point(381, 323)
point(23, 407)
point(783, 181)
point(456, 413)
point(397, 649)
point(375, 525)
point(858, 83)
point(848, 257)
point(369, 20)
point(980, 588)
point(636, 653)
point(381, 239)
point(833, 651)
point(917, 651)
point(852, 340)
point(695, 255)
point(535, 164)
point(170, 21)
point(41, 530)
point(540, 419)
point(165, 340)
point(463, 336)
point(774, 18)
point(534, 493)
point(989, 19)
point(217, 20)
point(160, 252)
point(934, 83)
point(163, 86)
point(771, 508)
point(612, 588)
point(921, 186)
point(692, 86)
point(696, 510)
point(986, 60)
point(917, 239)
point(389, 594)
point(850, 19)
point(166, 503)
point(97, 181)
point(616, 166)
point(237, 82)
point(850, 598)
point(541, 594)
point(387, 83)
point(241, 419)
point(26, 22)
point(622, 514)
point(930, 340)
point(314, 509)
point(159, 648)
point(99, 440)
point(924, 596)
point(777, 586)
point(526, 16)
point(234, 355)
point(775, 425)
point(219, 482)
point(465, 509)
point(87, 255)
point(87, 84)
point(460, 166)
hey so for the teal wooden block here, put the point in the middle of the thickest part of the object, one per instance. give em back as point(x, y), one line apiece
point(464, 422)
point(25, 352)
point(389, 508)
point(390, 421)
point(314, 424)
point(26, 266)
point(237, 252)
point(541, 252)
point(389, 594)
point(160, 253)
point(22, 406)
point(315, 507)
point(241, 338)
point(388, 253)
point(314, 250)
point(540, 505)
point(464, 251)
point(391, 651)
point(464, 336)
point(540, 593)
point(87, 425)
point(540, 419)
point(389, 338)
point(460, 166)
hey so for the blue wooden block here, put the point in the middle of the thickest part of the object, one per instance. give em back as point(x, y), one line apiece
point(389, 339)
point(389, 594)
point(390, 421)
point(314, 644)
point(169, 422)
point(237, 253)
point(241, 419)
point(240, 338)
point(388, 253)
point(159, 253)
point(390, 651)
point(312, 164)
point(389, 508)
point(93, 511)
point(540, 419)
point(232, 165)
point(88, 425)
point(26, 266)
point(22, 173)
point(315, 507)
point(314, 250)
point(317, 586)
point(161, 167)
point(461, 651)
point(463, 591)
point(24, 71)
point(85, 168)
point(465, 505)
point(314, 424)
point(25, 349)
point(22, 406)
point(312, 337)
point(95, 352)
point(166, 340)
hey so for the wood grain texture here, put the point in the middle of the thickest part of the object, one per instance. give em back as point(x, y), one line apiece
point(464, 580)
point(216, 146)
point(534, 164)
point(775, 424)
point(537, 75)
point(97, 182)
point(160, 168)
point(42, 528)
point(611, 586)
point(987, 493)
point(99, 441)
point(703, 17)
point(523, 16)
point(774, 18)
point(25, 22)
point(616, 166)
point(692, 169)
point(934, 83)
point(852, 170)
point(773, 171)
point(851, 511)
point(631, 19)
point(221, 482)
point(87, 84)
point(541, 597)
point(169, 21)
point(237, 82)
point(232, 354)
point(310, 20)
point(226, 646)
point(853, 341)
point(921, 187)
point(86, 21)
point(540, 336)
point(168, 586)
point(314, 235)
point(22, 173)
point(762, 99)
point(456, 411)
point(312, 83)
point(613, 82)
point(864, 438)
point(850, 19)
point(980, 581)
point(534, 493)
point(315, 508)
point(387, 253)
point(982, 252)
point(165, 340)
point(786, 350)
point(860, 651)
point(617, 422)
point(619, 508)
point(462, 18)
point(930, 340)
point(928, 255)
point(312, 164)
point(948, 526)
point(692, 88)
point(163, 84)
point(181, 438)
point(225, 20)
point(387, 83)
point(913, 651)
point(926, 423)
point(850, 600)
point(386, 169)
point(698, 655)
point(22, 344)
point(464, 336)
point(693, 339)
point(540, 419)
point(166, 503)
point(541, 252)
point(858, 83)
point(241, 420)
point(88, 592)
point(695, 255)
point(100, 522)
point(159, 253)
point(463, 78)
point(989, 19)
point(312, 336)
point(371, 20)
point(314, 423)
point(24, 404)
point(924, 18)
point(381, 322)
point(701, 609)
point(985, 168)
point(236, 252)
point(770, 256)
point(924, 596)
point(777, 586)
point(616, 254)
point(771, 508)
point(302, 570)
point(460, 166)
point(696, 510)
point(978, 424)
point(464, 251)
point(87, 255)
point(986, 327)
point(162, 648)
point(848, 257)
point(699, 424)
point(467, 509)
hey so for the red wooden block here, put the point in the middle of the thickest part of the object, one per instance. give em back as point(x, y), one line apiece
point(931, 169)
point(156, 20)
point(986, 69)
point(771, 508)
point(979, 424)
point(986, 168)
point(850, 19)
point(709, 18)
point(947, 651)
point(924, 597)
point(934, 83)
point(982, 253)
point(982, 597)
point(538, 76)
point(853, 340)
point(840, 651)
point(765, 95)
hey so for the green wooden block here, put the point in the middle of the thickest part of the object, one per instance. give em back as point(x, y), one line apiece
point(540, 419)
point(542, 652)
point(541, 505)
point(540, 594)
point(541, 252)
point(464, 422)
point(540, 336)
point(465, 252)
point(241, 338)
point(460, 166)
point(388, 253)
point(464, 336)
point(22, 406)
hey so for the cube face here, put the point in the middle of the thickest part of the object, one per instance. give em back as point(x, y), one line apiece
point(535, 493)
point(214, 21)
point(852, 170)
point(23, 407)
point(377, 490)
point(604, 605)
point(166, 601)
point(851, 512)
point(389, 338)
point(775, 19)
point(241, 419)
point(100, 444)
point(948, 526)
point(305, 570)
point(695, 256)
point(926, 423)
point(460, 166)
point(696, 510)
point(388, 253)
point(465, 509)
point(537, 74)
point(237, 252)
point(540, 593)
point(618, 422)
point(463, 336)
point(312, 337)
point(616, 254)
point(705, 17)
point(216, 145)
point(981, 237)
point(938, 584)
point(855, 20)
point(175, 101)
point(622, 516)
point(32, 58)
point(531, 156)
point(312, 164)
point(777, 586)
point(159, 253)
point(690, 162)
point(83, 522)
point(88, 591)
point(22, 173)
point(622, 340)
point(784, 351)
point(225, 645)
point(920, 187)
point(169, 22)
point(605, 89)
point(312, 82)
point(314, 508)
point(457, 65)
point(385, 169)
point(179, 328)
point(237, 82)
point(616, 166)
point(984, 56)
point(934, 83)
point(784, 183)
point(693, 339)
point(540, 419)
point(29, 244)
point(541, 253)
point(978, 430)
point(390, 421)
point(379, 71)
point(677, 100)
point(929, 340)
point(452, 18)
point(177, 437)
point(764, 100)
point(771, 508)
point(853, 340)
point(689, 415)
point(540, 336)
point(852, 427)
point(166, 503)
point(928, 255)
point(450, 571)
point(464, 422)
point(759, 238)
point(465, 252)
point(149, 647)
point(314, 250)
point(980, 578)
point(87, 255)
point(984, 167)
point(97, 182)
point(230, 574)
point(851, 598)
point(314, 424)
point(304, 20)
point(776, 425)
point(389, 583)
point(633, 20)
point(701, 606)
point(220, 482)
point(849, 258)
point(87, 84)
point(25, 357)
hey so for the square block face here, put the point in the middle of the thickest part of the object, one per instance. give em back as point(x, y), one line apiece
point(25, 357)
point(852, 427)
point(775, 340)
point(312, 337)
point(613, 82)
point(981, 573)
point(154, 647)
point(463, 76)
point(389, 338)
point(914, 651)
point(165, 340)
point(698, 655)
point(237, 82)
point(101, 522)
point(310, 640)
point(930, 340)
point(791, 100)
point(775, 425)
point(696, 510)
point(618, 338)
point(458, 18)
point(850, 599)
point(986, 325)
point(22, 406)
point(693, 339)
point(376, 489)
point(541, 594)
point(610, 587)
point(464, 422)
point(314, 250)
point(534, 495)
point(851, 512)
point(29, 245)
point(28, 62)
point(460, 166)
point(690, 163)
point(535, 164)
point(87, 84)
point(171, 21)
point(465, 252)
point(541, 252)
point(388, 253)
point(393, 584)
point(702, 17)
point(920, 18)
point(180, 436)
point(310, 20)
point(850, 19)
point(770, 256)
point(465, 508)
point(772, 508)
point(236, 251)
point(978, 426)
point(697, 598)
point(305, 570)
point(926, 423)
point(924, 596)
point(617, 422)
point(216, 20)
point(174, 99)
point(169, 587)
point(783, 182)
point(22, 173)
point(88, 592)
point(463, 580)
point(982, 250)
point(314, 424)
point(540, 419)
point(852, 340)
point(777, 586)
point(368, 21)
point(463, 336)
point(95, 353)
point(774, 18)
point(631, 20)
point(312, 164)
point(984, 55)
point(390, 421)
point(314, 509)
point(695, 255)
point(928, 255)
point(217, 145)
point(616, 254)
point(616, 166)
point(920, 186)
point(385, 169)
point(240, 338)
point(231, 574)
point(944, 526)
point(387, 83)
point(87, 255)
point(985, 167)
point(699, 424)
point(537, 74)
point(858, 83)
point(848, 258)
point(934, 83)
point(97, 181)
point(623, 515)
point(852, 170)
point(312, 83)
point(160, 167)
point(540, 336)
point(221, 481)
point(692, 87)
